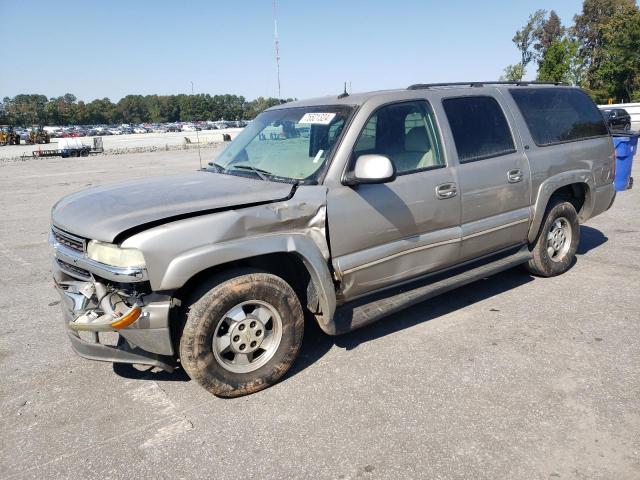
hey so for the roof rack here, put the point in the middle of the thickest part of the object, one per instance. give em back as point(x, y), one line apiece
point(421, 86)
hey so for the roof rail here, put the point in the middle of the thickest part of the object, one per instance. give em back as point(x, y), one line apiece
point(421, 86)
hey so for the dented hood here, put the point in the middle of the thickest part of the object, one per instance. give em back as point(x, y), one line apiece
point(103, 213)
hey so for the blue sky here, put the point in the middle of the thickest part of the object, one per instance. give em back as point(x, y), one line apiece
point(113, 48)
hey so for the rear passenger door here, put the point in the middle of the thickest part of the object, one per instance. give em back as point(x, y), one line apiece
point(493, 175)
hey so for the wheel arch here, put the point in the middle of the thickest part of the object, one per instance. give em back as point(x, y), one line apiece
point(576, 186)
point(293, 257)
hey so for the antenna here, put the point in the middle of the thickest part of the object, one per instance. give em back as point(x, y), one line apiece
point(197, 134)
point(344, 94)
point(277, 45)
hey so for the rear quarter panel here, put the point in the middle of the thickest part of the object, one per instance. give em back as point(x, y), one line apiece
point(589, 161)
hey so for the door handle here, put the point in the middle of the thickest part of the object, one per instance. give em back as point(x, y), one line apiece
point(446, 190)
point(515, 176)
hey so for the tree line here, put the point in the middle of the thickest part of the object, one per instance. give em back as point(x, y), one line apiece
point(34, 109)
point(599, 52)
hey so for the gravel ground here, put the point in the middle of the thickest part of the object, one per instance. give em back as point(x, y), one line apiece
point(512, 377)
point(140, 141)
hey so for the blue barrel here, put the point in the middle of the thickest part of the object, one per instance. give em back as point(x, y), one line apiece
point(626, 146)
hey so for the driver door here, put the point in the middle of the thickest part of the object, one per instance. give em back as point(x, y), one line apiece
point(383, 234)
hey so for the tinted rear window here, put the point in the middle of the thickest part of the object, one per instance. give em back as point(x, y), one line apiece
point(480, 129)
point(558, 115)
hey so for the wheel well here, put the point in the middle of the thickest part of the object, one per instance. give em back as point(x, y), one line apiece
point(287, 266)
point(574, 193)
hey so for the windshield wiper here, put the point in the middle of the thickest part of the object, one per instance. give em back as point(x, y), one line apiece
point(219, 168)
point(258, 171)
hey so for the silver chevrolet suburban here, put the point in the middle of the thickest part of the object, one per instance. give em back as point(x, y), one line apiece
point(343, 210)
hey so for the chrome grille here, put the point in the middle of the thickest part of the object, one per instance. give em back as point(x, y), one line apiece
point(70, 241)
point(72, 269)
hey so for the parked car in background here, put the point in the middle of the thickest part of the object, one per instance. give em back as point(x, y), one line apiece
point(140, 130)
point(617, 118)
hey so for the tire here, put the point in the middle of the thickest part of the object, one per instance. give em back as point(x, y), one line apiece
point(84, 152)
point(627, 127)
point(555, 247)
point(244, 310)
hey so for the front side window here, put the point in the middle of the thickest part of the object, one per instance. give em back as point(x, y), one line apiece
point(406, 134)
point(479, 127)
point(291, 144)
point(558, 115)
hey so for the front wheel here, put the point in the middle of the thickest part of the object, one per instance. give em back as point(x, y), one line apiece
point(241, 334)
point(555, 248)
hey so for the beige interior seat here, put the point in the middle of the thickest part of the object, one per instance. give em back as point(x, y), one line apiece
point(417, 152)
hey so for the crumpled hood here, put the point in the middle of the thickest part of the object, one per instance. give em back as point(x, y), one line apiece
point(102, 213)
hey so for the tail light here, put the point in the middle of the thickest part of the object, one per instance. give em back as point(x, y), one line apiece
point(613, 167)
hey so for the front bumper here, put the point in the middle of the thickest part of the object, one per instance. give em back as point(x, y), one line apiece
point(122, 353)
point(147, 341)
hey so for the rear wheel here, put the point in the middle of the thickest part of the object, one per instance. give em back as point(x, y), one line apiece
point(241, 333)
point(627, 126)
point(555, 248)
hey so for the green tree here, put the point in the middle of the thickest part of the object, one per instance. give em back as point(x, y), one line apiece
point(589, 32)
point(619, 71)
point(259, 105)
point(26, 110)
point(557, 62)
point(4, 115)
point(99, 111)
point(513, 73)
point(526, 37)
point(132, 109)
point(550, 31)
point(64, 109)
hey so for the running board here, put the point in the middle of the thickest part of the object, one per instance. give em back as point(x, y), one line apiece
point(361, 312)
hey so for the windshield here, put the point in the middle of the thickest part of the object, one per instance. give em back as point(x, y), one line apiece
point(290, 144)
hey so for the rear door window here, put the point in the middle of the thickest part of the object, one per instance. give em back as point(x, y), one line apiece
point(558, 115)
point(479, 127)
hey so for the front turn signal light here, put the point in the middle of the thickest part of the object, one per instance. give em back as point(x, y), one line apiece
point(128, 318)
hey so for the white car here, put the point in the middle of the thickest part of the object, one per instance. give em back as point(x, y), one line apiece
point(140, 130)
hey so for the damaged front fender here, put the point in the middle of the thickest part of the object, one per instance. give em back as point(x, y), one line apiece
point(177, 251)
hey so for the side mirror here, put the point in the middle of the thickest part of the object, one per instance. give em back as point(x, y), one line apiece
point(371, 169)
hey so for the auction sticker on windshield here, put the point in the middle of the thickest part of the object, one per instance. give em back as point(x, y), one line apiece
point(317, 118)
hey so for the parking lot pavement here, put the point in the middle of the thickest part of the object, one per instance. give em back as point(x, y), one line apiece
point(510, 377)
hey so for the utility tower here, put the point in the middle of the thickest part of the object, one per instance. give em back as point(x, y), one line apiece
point(277, 44)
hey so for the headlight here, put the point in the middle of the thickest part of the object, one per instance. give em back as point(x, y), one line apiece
point(111, 254)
